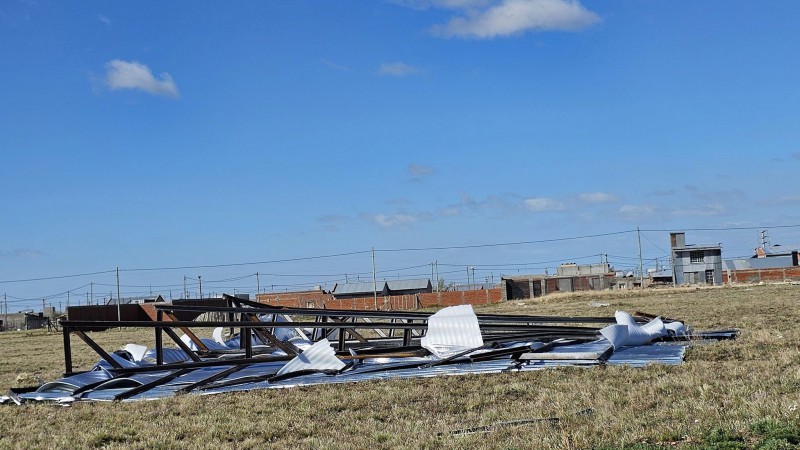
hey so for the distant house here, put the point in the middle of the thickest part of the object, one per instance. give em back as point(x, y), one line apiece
point(382, 288)
point(135, 300)
point(764, 266)
point(360, 289)
point(695, 264)
point(37, 321)
point(573, 270)
point(409, 287)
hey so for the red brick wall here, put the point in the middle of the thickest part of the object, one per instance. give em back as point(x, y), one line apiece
point(388, 303)
point(759, 275)
point(306, 299)
point(452, 298)
point(321, 300)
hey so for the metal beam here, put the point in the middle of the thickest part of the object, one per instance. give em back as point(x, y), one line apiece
point(99, 350)
point(147, 386)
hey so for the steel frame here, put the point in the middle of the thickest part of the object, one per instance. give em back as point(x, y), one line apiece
point(397, 334)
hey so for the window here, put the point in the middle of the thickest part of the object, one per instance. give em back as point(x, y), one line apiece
point(696, 256)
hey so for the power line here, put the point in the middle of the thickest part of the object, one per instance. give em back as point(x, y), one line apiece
point(726, 228)
point(274, 261)
point(58, 277)
point(523, 264)
point(504, 244)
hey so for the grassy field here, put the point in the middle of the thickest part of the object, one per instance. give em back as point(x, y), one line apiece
point(734, 394)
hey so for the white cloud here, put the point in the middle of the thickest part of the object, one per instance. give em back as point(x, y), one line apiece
point(418, 172)
point(398, 69)
point(511, 17)
point(135, 75)
point(450, 211)
point(542, 204)
point(335, 66)
point(636, 211)
point(598, 197)
point(104, 19)
point(392, 220)
point(785, 200)
point(22, 253)
point(443, 4)
point(708, 211)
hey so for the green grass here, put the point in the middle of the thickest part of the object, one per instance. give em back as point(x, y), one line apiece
point(734, 394)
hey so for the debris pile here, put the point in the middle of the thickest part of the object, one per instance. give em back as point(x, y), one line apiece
point(272, 347)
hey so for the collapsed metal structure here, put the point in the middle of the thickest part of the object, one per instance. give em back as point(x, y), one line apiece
point(279, 347)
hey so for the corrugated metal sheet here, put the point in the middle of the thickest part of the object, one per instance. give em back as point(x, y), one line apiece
point(452, 330)
point(363, 287)
point(773, 262)
point(660, 353)
point(409, 285)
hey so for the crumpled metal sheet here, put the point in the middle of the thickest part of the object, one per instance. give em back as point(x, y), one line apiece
point(452, 330)
point(319, 356)
point(60, 390)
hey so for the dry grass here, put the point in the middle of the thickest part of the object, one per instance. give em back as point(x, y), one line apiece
point(727, 394)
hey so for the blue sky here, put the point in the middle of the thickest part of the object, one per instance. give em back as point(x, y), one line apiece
point(182, 134)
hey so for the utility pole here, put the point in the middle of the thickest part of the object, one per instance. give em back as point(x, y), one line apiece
point(436, 262)
point(5, 304)
point(185, 295)
point(200, 280)
point(473, 274)
point(119, 300)
point(641, 272)
point(42, 306)
point(87, 299)
point(67, 300)
point(374, 280)
point(764, 239)
point(91, 289)
point(258, 285)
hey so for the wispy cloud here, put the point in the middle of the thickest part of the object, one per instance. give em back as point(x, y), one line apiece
point(643, 211)
point(636, 211)
point(104, 19)
point(664, 192)
point(443, 4)
point(22, 253)
point(716, 196)
point(598, 197)
point(780, 201)
point(335, 66)
point(706, 211)
point(418, 172)
point(392, 220)
point(398, 69)
point(331, 222)
point(796, 155)
point(542, 204)
point(487, 20)
point(135, 75)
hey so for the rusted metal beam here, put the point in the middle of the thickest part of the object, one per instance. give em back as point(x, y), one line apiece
point(188, 332)
point(265, 335)
point(189, 352)
point(99, 350)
